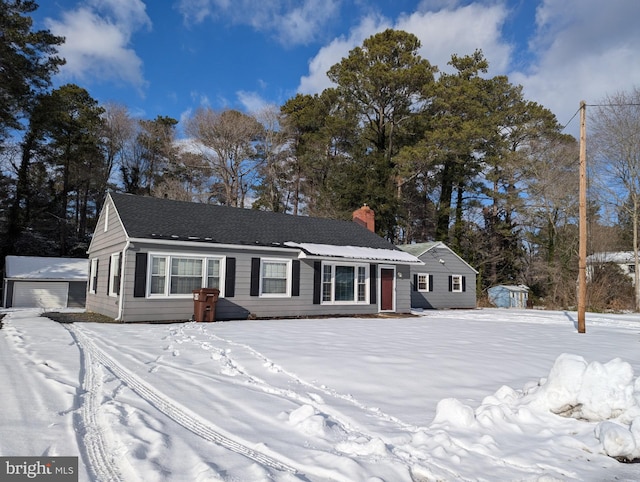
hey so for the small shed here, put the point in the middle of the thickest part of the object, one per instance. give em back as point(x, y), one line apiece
point(509, 296)
point(41, 282)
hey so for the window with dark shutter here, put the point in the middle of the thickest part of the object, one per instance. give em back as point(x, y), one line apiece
point(317, 281)
point(373, 287)
point(295, 278)
point(140, 276)
point(254, 289)
point(230, 281)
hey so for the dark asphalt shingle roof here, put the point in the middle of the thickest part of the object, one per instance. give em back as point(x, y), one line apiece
point(157, 218)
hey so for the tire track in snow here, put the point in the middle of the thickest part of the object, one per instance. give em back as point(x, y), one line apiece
point(164, 404)
point(96, 443)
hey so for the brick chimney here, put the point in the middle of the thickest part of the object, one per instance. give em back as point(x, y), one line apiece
point(365, 217)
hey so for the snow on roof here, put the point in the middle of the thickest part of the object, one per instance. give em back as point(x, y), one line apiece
point(517, 288)
point(30, 267)
point(356, 252)
point(618, 257)
point(418, 249)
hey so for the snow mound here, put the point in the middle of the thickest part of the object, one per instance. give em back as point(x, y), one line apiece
point(606, 394)
point(592, 392)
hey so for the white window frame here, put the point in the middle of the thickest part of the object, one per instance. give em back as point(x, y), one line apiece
point(458, 278)
point(324, 282)
point(168, 257)
point(219, 259)
point(92, 275)
point(288, 280)
point(423, 278)
point(115, 274)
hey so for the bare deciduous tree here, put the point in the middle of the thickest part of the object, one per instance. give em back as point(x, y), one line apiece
point(226, 139)
point(616, 147)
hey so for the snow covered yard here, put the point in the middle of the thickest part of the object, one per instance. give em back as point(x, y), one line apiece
point(495, 395)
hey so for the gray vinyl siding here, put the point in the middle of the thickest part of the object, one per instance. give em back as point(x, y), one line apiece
point(103, 245)
point(440, 297)
point(242, 304)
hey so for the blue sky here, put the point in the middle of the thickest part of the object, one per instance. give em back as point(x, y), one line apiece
point(168, 57)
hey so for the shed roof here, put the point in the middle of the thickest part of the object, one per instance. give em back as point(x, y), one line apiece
point(33, 267)
point(164, 219)
point(512, 288)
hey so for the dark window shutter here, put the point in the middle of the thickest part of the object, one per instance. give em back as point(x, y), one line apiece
point(230, 278)
point(373, 287)
point(95, 277)
point(415, 282)
point(317, 281)
point(108, 274)
point(140, 276)
point(255, 277)
point(430, 282)
point(117, 286)
point(450, 283)
point(295, 278)
point(464, 283)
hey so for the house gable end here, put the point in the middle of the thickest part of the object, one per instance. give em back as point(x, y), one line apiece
point(108, 228)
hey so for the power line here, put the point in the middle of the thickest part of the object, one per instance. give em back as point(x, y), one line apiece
point(573, 117)
point(632, 104)
point(613, 105)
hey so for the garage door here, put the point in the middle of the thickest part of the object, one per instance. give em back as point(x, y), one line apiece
point(50, 294)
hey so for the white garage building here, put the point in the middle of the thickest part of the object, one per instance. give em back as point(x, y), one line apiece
point(48, 283)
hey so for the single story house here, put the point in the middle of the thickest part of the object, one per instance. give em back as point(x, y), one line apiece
point(624, 259)
point(147, 255)
point(443, 281)
point(509, 296)
point(40, 282)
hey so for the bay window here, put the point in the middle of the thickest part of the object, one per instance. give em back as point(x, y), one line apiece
point(345, 283)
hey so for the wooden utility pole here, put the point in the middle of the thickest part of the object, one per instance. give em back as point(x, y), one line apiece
point(582, 252)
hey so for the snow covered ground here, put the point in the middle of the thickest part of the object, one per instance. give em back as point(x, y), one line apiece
point(494, 395)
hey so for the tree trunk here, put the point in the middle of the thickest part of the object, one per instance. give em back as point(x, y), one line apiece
point(444, 208)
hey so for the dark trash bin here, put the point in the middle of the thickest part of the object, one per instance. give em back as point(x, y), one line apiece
point(204, 304)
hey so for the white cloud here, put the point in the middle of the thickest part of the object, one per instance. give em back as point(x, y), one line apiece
point(301, 25)
point(586, 50)
point(460, 31)
point(97, 41)
point(339, 48)
point(251, 101)
point(442, 33)
point(295, 25)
